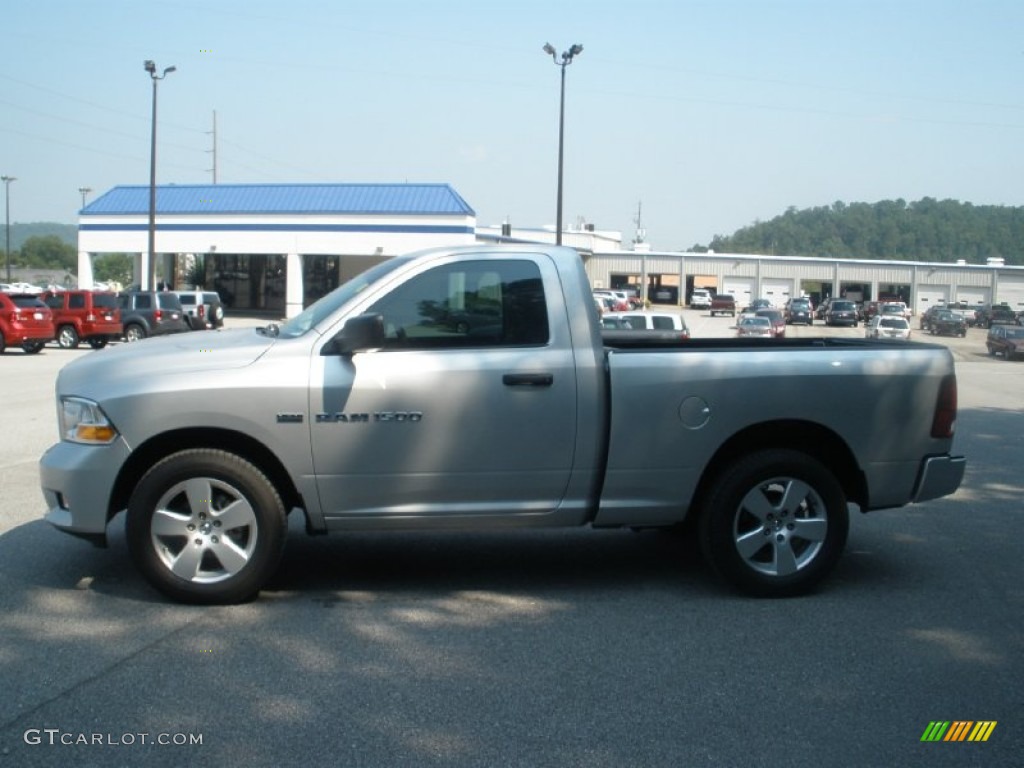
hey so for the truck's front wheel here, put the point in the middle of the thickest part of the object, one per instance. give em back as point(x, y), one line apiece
point(774, 523)
point(206, 526)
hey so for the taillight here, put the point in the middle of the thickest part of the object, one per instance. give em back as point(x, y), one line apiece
point(158, 314)
point(944, 420)
point(201, 310)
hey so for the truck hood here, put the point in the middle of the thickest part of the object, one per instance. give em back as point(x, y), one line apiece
point(180, 354)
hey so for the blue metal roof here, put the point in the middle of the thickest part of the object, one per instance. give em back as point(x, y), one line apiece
point(352, 199)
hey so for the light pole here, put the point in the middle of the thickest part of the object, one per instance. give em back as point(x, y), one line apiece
point(567, 57)
point(85, 191)
point(7, 204)
point(149, 279)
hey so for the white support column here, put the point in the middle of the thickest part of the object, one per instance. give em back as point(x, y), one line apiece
point(294, 290)
point(139, 270)
point(85, 279)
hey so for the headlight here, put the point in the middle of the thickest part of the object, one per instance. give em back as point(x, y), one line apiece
point(82, 421)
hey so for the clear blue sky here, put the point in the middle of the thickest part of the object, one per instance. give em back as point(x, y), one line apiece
point(712, 114)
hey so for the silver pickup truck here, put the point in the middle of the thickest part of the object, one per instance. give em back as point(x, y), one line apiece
point(473, 387)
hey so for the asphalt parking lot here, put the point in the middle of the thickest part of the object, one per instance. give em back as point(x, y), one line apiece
point(531, 648)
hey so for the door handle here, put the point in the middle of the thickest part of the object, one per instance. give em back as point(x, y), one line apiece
point(528, 379)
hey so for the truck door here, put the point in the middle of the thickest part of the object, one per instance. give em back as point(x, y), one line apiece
point(468, 410)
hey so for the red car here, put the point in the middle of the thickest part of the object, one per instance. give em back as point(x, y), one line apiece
point(776, 318)
point(25, 321)
point(92, 316)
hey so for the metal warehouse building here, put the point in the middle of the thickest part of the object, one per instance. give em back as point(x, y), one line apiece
point(672, 276)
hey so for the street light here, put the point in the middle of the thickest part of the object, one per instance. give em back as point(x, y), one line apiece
point(7, 204)
point(567, 57)
point(149, 279)
point(85, 191)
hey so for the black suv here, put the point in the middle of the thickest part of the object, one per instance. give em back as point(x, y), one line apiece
point(946, 322)
point(150, 313)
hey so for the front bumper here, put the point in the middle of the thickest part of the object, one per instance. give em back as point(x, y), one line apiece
point(77, 481)
point(939, 476)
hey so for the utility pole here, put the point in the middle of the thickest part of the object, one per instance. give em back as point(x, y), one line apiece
point(213, 151)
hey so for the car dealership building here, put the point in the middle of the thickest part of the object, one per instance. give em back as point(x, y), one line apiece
point(275, 248)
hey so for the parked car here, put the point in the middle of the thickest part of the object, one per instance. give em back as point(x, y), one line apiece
point(724, 304)
point(924, 321)
point(777, 320)
point(753, 326)
point(841, 312)
point(203, 309)
point(799, 310)
point(700, 299)
point(946, 322)
point(970, 312)
point(614, 321)
point(997, 314)
point(26, 321)
point(78, 315)
point(619, 301)
point(24, 288)
point(653, 320)
point(883, 327)
point(894, 308)
point(1005, 340)
point(758, 304)
point(150, 313)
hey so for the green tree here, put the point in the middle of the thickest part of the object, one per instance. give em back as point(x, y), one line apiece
point(113, 266)
point(48, 252)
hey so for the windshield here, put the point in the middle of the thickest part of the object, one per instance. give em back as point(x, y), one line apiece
point(315, 313)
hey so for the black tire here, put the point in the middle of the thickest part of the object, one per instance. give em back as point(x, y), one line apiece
point(134, 332)
point(33, 347)
point(98, 343)
point(769, 505)
point(3, 343)
point(191, 555)
point(67, 337)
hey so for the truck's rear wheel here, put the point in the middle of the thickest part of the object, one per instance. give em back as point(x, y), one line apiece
point(774, 523)
point(206, 526)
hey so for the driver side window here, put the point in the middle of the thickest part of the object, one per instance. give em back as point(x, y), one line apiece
point(469, 304)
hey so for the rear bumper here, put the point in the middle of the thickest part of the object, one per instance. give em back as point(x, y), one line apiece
point(19, 334)
point(939, 476)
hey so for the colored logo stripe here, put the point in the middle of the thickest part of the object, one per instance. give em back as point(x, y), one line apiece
point(958, 730)
point(982, 730)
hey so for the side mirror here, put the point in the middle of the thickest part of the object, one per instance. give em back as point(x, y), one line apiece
point(359, 334)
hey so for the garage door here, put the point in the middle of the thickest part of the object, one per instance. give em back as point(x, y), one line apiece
point(740, 288)
point(974, 296)
point(776, 290)
point(930, 295)
point(1010, 290)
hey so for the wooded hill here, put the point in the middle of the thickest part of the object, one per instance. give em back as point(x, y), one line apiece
point(926, 230)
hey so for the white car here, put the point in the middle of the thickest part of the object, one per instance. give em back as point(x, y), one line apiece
point(700, 298)
point(23, 288)
point(652, 320)
point(887, 327)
